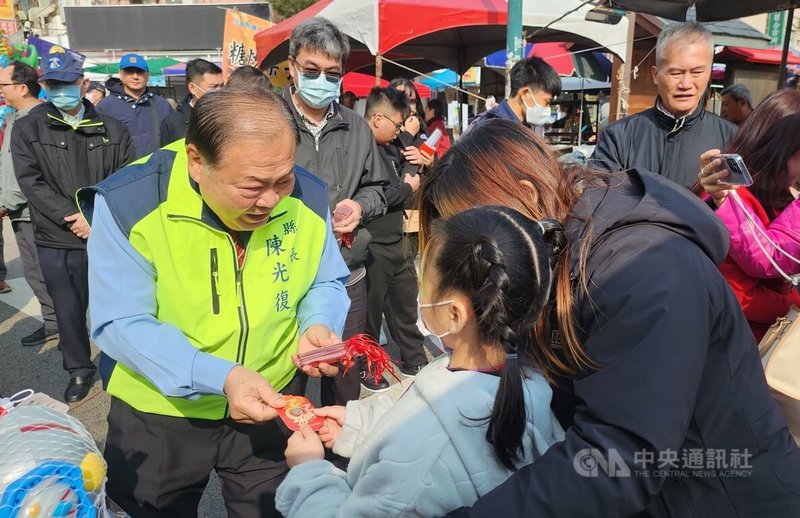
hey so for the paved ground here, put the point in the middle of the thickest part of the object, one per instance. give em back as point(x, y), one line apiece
point(39, 368)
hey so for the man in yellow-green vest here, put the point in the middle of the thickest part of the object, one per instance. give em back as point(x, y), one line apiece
point(211, 264)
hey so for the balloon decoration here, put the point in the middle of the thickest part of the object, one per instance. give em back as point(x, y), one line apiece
point(17, 52)
point(50, 467)
point(9, 52)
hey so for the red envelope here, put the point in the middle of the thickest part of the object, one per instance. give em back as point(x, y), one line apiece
point(299, 411)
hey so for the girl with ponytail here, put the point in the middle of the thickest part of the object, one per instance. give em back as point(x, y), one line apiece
point(473, 416)
point(644, 343)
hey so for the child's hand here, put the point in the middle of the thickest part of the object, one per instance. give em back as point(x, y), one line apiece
point(304, 446)
point(334, 421)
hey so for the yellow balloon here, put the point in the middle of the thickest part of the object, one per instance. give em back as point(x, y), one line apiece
point(93, 468)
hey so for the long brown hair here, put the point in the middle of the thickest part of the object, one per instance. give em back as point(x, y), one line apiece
point(763, 141)
point(767, 164)
point(504, 163)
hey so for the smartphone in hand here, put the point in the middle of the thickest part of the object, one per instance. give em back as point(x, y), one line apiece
point(738, 175)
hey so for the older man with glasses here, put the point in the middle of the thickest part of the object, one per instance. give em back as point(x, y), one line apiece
point(336, 145)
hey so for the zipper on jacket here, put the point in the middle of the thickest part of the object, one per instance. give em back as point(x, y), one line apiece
point(244, 324)
point(214, 281)
point(244, 330)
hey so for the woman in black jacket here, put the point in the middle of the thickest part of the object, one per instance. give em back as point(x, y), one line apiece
point(658, 378)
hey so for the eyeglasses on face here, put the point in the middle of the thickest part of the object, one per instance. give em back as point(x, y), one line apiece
point(313, 72)
point(397, 126)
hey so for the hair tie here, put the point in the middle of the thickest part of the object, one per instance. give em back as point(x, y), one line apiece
point(511, 356)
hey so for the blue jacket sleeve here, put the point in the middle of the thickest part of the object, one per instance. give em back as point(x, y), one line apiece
point(122, 309)
point(327, 302)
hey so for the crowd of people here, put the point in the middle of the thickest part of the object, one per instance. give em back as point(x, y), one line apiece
point(595, 326)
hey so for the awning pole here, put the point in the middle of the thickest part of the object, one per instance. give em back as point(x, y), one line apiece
point(378, 70)
point(514, 41)
point(580, 116)
point(786, 40)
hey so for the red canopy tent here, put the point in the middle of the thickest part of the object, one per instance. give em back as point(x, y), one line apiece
point(557, 56)
point(771, 56)
point(451, 35)
point(361, 84)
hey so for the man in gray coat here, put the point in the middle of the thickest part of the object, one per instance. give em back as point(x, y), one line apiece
point(19, 87)
point(336, 145)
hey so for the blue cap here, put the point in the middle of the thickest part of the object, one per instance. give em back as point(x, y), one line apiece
point(60, 66)
point(133, 61)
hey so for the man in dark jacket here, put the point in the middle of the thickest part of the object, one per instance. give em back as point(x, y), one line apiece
point(677, 420)
point(20, 90)
point(132, 103)
point(670, 137)
point(336, 145)
point(534, 85)
point(58, 148)
point(391, 277)
point(201, 76)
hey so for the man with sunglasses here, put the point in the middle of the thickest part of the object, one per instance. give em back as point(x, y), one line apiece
point(201, 77)
point(336, 145)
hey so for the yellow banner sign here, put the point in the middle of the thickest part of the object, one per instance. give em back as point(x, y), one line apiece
point(239, 40)
point(7, 10)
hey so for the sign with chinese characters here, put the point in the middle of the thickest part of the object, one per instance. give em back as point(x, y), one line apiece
point(278, 74)
point(238, 42)
point(776, 27)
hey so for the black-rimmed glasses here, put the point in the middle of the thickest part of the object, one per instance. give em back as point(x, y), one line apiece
point(398, 127)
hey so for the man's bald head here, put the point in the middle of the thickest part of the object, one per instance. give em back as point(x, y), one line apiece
point(224, 118)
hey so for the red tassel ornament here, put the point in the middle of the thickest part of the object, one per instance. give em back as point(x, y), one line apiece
point(345, 353)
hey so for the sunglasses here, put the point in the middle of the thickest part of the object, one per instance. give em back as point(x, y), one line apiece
point(313, 73)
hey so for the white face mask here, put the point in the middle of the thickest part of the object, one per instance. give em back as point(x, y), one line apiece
point(537, 115)
point(433, 337)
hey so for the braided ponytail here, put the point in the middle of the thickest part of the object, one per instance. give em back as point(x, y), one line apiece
point(490, 302)
point(501, 260)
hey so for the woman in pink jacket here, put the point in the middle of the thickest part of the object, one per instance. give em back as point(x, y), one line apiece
point(769, 143)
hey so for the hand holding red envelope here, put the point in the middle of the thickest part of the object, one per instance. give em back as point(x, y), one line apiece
point(340, 214)
point(345, 353)
point(298, 412)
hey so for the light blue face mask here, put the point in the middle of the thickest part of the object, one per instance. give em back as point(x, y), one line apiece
point(64, 97)
point(318, 92)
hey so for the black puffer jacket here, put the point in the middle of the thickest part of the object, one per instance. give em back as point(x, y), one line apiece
point(655, 141)
point(52, 161)
point(679, 376)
